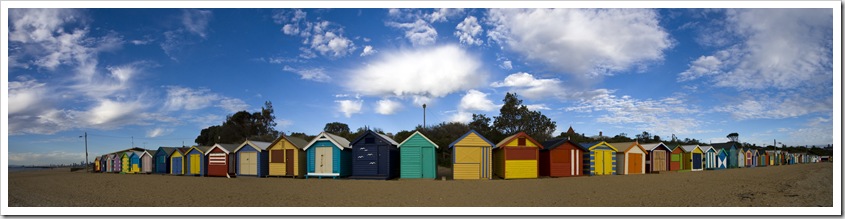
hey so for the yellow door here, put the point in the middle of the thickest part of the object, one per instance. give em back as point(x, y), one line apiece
point(599, 162)
point(248, 163)
point(608, 163)
point(124, 165)
point(195, 164)
point(324, 160)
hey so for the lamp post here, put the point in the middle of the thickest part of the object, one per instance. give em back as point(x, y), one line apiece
point(424, 116)
point(86, 150)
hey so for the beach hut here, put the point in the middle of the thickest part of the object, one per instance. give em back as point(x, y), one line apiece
point(417, 158)
point(676, 161)
point(162, 160)
point(96, 164)
point(657, 159)
point(221, 160)
point(722, 157)
point(630, 159)
point(147, 161)
point(135, 162)
point(195, 164)
point(328, 156)
point(287, 157)
point(103, 163)
point(125, 162)
point(561, 157)
point(750, 155)
point(116, 164)
point(177, 161)
point(734, 158)
point(693, 158)
point(252, 158)
point(374, 156)
point(110, 164)
point(600, 159)
point(709, 157)
point(762, 158)
point(516, 157)
point(772, 155)
point(471, 157)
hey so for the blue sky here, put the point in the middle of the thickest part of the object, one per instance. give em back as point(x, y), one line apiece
point(156, 77)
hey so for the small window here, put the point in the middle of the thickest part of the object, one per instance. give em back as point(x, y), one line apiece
point(521, 142)
point(369, 141)
point(277, 156)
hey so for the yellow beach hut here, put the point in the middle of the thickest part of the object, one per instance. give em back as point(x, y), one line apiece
point(287, 157)
point(516, 157)
point(471, 157)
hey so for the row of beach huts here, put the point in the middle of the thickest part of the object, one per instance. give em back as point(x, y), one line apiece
point(377, 156)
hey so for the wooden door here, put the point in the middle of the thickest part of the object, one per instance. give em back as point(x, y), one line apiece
point(658, 161)
point(323, 160)
point(248, 163)
point(176, 166)
point(635, 163)
point(428, 166)
point(696, 161)
point(599, 162)
point(289, 162)
point(195, 164)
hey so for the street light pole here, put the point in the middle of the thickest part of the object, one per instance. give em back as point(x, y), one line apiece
point(86, 151)
point(424, 116)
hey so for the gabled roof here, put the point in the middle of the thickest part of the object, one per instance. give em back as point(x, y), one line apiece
point(726, 145)
point(421, 135)
point(690, 148)
point(516, 136)
point(653, 146)
point(166, 150)
point(467, 134)
point(338, 141)
point(554, 143)
point(591, 145)
point(138, 153)
point(296, 142)
point(228, 148)
point(201, 149)
point(257, 145)
point(383, 137)
point(626, 146)
point(707, 148)
point(150, 152)
point(181, 150)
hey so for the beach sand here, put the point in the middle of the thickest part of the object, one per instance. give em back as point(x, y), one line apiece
point(806, 185)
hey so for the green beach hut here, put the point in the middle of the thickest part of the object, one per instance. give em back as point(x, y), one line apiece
point(416, 157)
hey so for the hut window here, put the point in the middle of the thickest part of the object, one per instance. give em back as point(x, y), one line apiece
point(521, 142)
point(369, 141)
point(277, 156)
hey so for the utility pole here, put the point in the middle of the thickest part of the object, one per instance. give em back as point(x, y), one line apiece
point(86, 150)
point(424, 116)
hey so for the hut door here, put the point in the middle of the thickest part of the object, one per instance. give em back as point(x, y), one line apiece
point(324, 160)
point(696, 161)
point(659, 161)
point(635, 163)
point(248, 163)
point(289, 162)
point(427, 167)
point(599, 162)
point(195, 164)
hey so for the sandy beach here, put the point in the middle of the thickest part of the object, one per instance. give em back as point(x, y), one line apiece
point(807, 185)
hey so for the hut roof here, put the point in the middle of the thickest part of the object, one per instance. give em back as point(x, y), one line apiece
point(467, 134)
point(379, 135)
point(257, 145)
point(690, 148)
point(421, 135)
point(228, 148)
point(338, 141)
point(554, 143)
point(515, 136)
point(587, 146)
point(652, 146)
point(166, 150)
point(726, 145)
point(297, 142)
point(707, 148)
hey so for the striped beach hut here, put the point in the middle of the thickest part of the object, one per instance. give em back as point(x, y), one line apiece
point(600, 159)
point(417, 158)
point(104, 163)
point(177, 161)
point(195, 164)
point(693, 158)
point(97, 164)
point(328, 155)
point(287, 157)
point(657, 159)
point(750, 155)
point(221, 160)
point(135, 162)
point(561, 157)
point(516, 157)
point(676, 161)
point(161, 158)
point(709, 157)
point(147, 161)
point(374, 156)
point(252, 158)
point(630, 159)
point(125, 163)
point(471, 157)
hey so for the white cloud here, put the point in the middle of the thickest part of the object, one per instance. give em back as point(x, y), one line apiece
point(443, 14)
point(534, 107)
point(183, 98)
point(703, 66)
point(468, 31)
point(506, 65)
point(368, 50)
point(322, 36)
point(196, 21)
point(349, 107)
point(475, 100)
point(312, 74)
point(46, 158)
point(431, 72)
point(140, 42)
point(110, 113)
point(387, 106)
point(607, 40)
point(461, 116)
point(157, 132)
point(779, 106)
point(526, 85)
point(25, 95)
point(232, 104)
point(663, 116)
point(419, 32)
point(776, 48)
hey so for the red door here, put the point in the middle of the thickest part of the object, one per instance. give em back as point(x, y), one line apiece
point(289, 162)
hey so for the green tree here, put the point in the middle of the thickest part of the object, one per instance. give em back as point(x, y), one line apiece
point(482, 124)
point(336, 128)
point(242, 125)
point(733, 137)
point(515, 117)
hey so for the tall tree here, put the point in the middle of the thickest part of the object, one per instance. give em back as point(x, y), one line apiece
point(515, 117)
point(733, 137)
point(336, 128)
point(482, 124)
point(242, 125)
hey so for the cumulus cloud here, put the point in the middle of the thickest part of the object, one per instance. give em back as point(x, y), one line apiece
point(196, 21)
point(312, 74)
point(417, 23)
point(232, 104)
point(468, 31)
point(506, 65)
point(703, 66)
point(475, 100)
point(664, 116)
point(349, 107)
point(26, 95)
point(431, 72)
point(534, 107)
point(419, 32)
point(368, 50)
point(775, 106)
point(387, 106)
point(607, 40)
point(530, 87)
point(183, 98)
point(322, 36)
point(461, 116)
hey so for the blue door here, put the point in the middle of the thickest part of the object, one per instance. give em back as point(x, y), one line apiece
point(696, 161)
point(160, 165)
point(722, 161)
point(176, 166)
